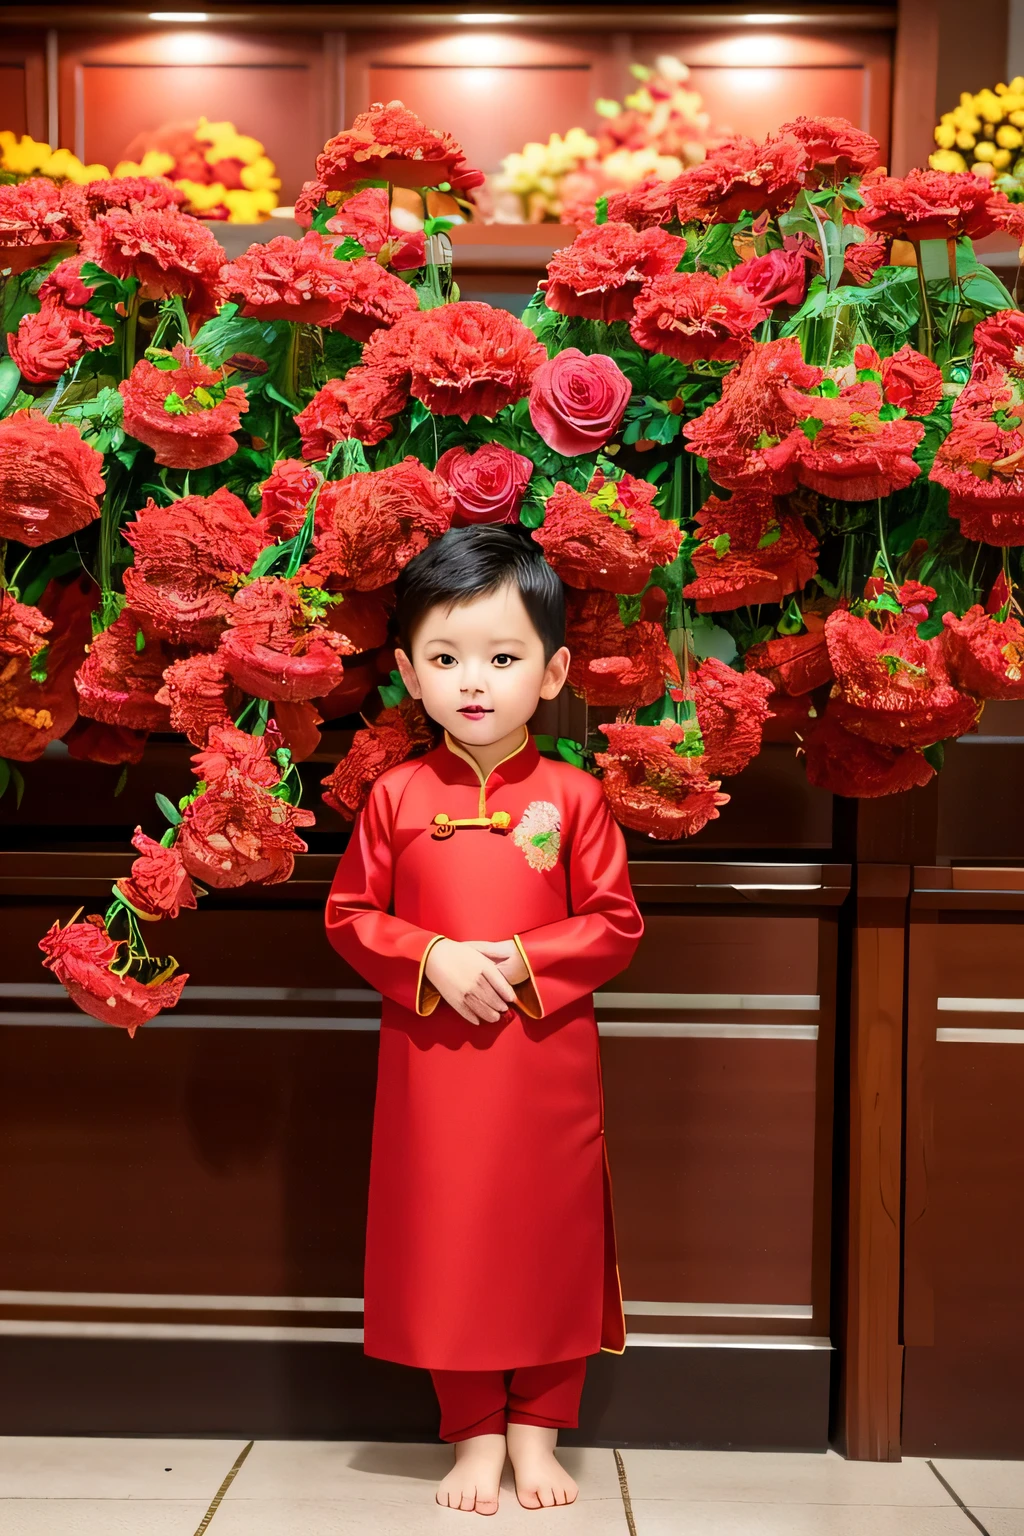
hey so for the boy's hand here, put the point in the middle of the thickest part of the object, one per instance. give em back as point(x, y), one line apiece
point(505, 954)
point(469, 981)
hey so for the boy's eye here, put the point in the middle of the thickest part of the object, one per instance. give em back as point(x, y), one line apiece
point(504, 656)
point(444, 657)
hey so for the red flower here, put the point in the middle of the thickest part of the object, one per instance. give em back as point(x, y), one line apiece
point(602, 272)
point(117, 683)
point(650, 787)
point(401, 731)
point(487, 485)
point(611, 538)
point(23, 629)
point(795, 664)
point(985, 655)
point(231, 751)
point(236, 833)
point(999, 338)
point(199, 694)
point(362, 619)
point(360, 405)
point(301, 280)
point(751, 417)
point(842, 447)
point(159, 885)
point(750, 552)
point(462, 359)
point(366, 217)
point(80, 956)
point(133, 192)
point(189, 559)
point(88, 741)
point(862, 260)
point(275, 648)
point(615, 664)
point(844, 764)
point(368, 526)
point(835, 149)
point(170, 253)
point(892, 687)
point(912, 382)
point(38, 212)
point(182, 413)
point(285, 496)
point(64, 285)
point(49, 479)
point(738, 176)
point(390, 143)
point(311, 195)
point(779, 277)
point(50, 341)
point(371, 299)
point(981, 462)
point(932, 205)
point(732, 708)
point(32, 713)
point(577, 402)
point(692, 315)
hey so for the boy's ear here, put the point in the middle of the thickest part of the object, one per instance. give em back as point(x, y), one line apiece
point(408, 672)
point(555, 673)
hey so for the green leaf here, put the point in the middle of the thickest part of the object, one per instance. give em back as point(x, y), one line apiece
point(349, 250)
point(38, 664)
point(811, 427)
point(19, 786)
point(170, 811)
point(935, 756)
point(601, 211)
point(174, 405)
point(770, 537)
point(572, 751)
point(10, 381)
point(122, 781)
point(5, 775)
point(721, 545)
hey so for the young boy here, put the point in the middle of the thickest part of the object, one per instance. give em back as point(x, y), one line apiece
point(485, 893)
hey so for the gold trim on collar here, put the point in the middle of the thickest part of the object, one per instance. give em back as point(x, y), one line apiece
point(459, 751)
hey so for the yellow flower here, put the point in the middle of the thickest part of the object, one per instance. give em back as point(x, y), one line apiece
point(947, 160)
point(259, 176)
point(988, 106)
point(1017, 118)
point(986, 150)
point(226, 143)
point(203, 196)
point(1001, 159)
point(965, 140)
point(25, 157)
point(155, 162)
point(945, 135)
point(64, 166)
point(249, 207)
point(1008, 137)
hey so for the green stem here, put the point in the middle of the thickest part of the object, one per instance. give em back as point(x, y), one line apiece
point(926, 330)
point(881, 541)
point(131, 322)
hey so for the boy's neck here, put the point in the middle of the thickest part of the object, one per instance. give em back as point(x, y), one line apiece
point(488, 756)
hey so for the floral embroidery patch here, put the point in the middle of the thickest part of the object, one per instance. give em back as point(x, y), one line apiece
point(539, 834)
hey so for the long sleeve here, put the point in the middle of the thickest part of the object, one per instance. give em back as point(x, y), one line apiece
point(577, 954)
point(387, 951)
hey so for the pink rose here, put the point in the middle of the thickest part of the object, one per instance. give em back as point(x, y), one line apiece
point(487, 486)
point(577, 402)
point(780, 277)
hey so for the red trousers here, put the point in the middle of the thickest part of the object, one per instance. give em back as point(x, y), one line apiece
point(485, 1402)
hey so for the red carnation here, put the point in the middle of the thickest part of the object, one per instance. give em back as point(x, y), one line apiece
point(80, 956)
point(732, 708)
point(182, 413)
point(275, 648)
point(311, 195)
point(170, 253)
point(118, 683)
point(159, 885)
point(487, 485)
point(38, 213)
point(233, 751)
point(360, 405)
point(779, 277)
point(23, 629)
point(981, 462)
point(52, 340)
point(401, 731)
point(652, 788)
point(610, 538)
point(932, 205)
point(133, 192)
point(199, 694)
point(795, 664)
point(284, 498)
point(844, 764)
point(189, 559)
point(999, 338)
point(366, 217)
point(462, 359)
point(64, 285)
point(892, 687)
point(301, 280)
point(985, 655)
point(600, 275)
point(752, 416)
point(49, 479)
point(842, 447)
point(738, 176)
point(368, 526)
point(577, 402)
point(835, 149)
point(614, 664)
point(362, 619)
point(390, 143)
point(750, 552)
point(34, 713)
point(692, 315)
point(237, 833)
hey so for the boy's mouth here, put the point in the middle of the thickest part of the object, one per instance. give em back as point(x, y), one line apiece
point(475, 712)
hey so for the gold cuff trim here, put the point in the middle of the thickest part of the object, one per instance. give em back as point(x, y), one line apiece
point(425, 990)
point(529, 999)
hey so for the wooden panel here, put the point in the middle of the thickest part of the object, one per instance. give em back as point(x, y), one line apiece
point(23, 83)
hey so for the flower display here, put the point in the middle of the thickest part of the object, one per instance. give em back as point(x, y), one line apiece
point(982, 134)
point(369, 526)
point(751, 550)
point(185, 414)
point(600, 275)
point(50, 341)
point(614, 663)
point(275, 648)
point(487, 486)
point(651, 787)
point(390, 143)
point(168, 253)
point(732, 708)
point(118, 681)
point(578, 402)
point(463, 359)
point(610, 537)
point(691, 315)
point(49, 479)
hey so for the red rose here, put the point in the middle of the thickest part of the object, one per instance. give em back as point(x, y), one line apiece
point(652, 788)
point(275, 648)
point(612, 664)
point(390, 143)
point(577, 402)
point(117, 683)
point(170, 253)
point(49, 479)
point(80, 956)
point(487, 485)
point(368, 526)
point(611, 538)
point(402, 731)
point(159, 885)
point(462, 359)
point(750, 552)
point(932, 205)
point(985, 655)
point(780, 277)
point(835, 149)
point(911, 381)
point(360, 405)
point(200, 695)
point(49, 342)
point(732, 708)
point(692, 315)
point(601, 273)
point(844, 764)
point(182, 413)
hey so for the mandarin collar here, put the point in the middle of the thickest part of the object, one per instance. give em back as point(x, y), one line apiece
point(459, 765)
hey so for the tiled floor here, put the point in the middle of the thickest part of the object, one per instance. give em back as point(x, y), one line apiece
point(88, 1487)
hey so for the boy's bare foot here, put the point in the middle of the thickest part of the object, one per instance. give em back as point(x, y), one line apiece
point(541, 1480)
point(472, 1484)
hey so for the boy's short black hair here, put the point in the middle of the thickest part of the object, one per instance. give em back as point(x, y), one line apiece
point(465, 563)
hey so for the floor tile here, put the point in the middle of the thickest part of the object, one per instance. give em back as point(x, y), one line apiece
point(1000, 1522)
point(769, 1477)
point(997, 1484)
point(59, 1467)
point(386, 1516)
point(329, 1470)
point(666, 1517)
point(101, 1517)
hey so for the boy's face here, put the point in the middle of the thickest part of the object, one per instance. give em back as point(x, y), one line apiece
point(479, 667)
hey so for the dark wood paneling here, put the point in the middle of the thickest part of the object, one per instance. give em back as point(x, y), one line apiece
point(23, 83)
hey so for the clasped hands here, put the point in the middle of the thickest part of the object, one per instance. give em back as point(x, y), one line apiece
point(476, 976)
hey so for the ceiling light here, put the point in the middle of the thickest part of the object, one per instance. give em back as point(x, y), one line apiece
point(179, 16)
point(485, 18)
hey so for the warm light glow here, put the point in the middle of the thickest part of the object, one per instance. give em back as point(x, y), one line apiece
point(179, 16)
point(463, 49)
point(754, 50)
point(189, 47)
point(485, 19)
